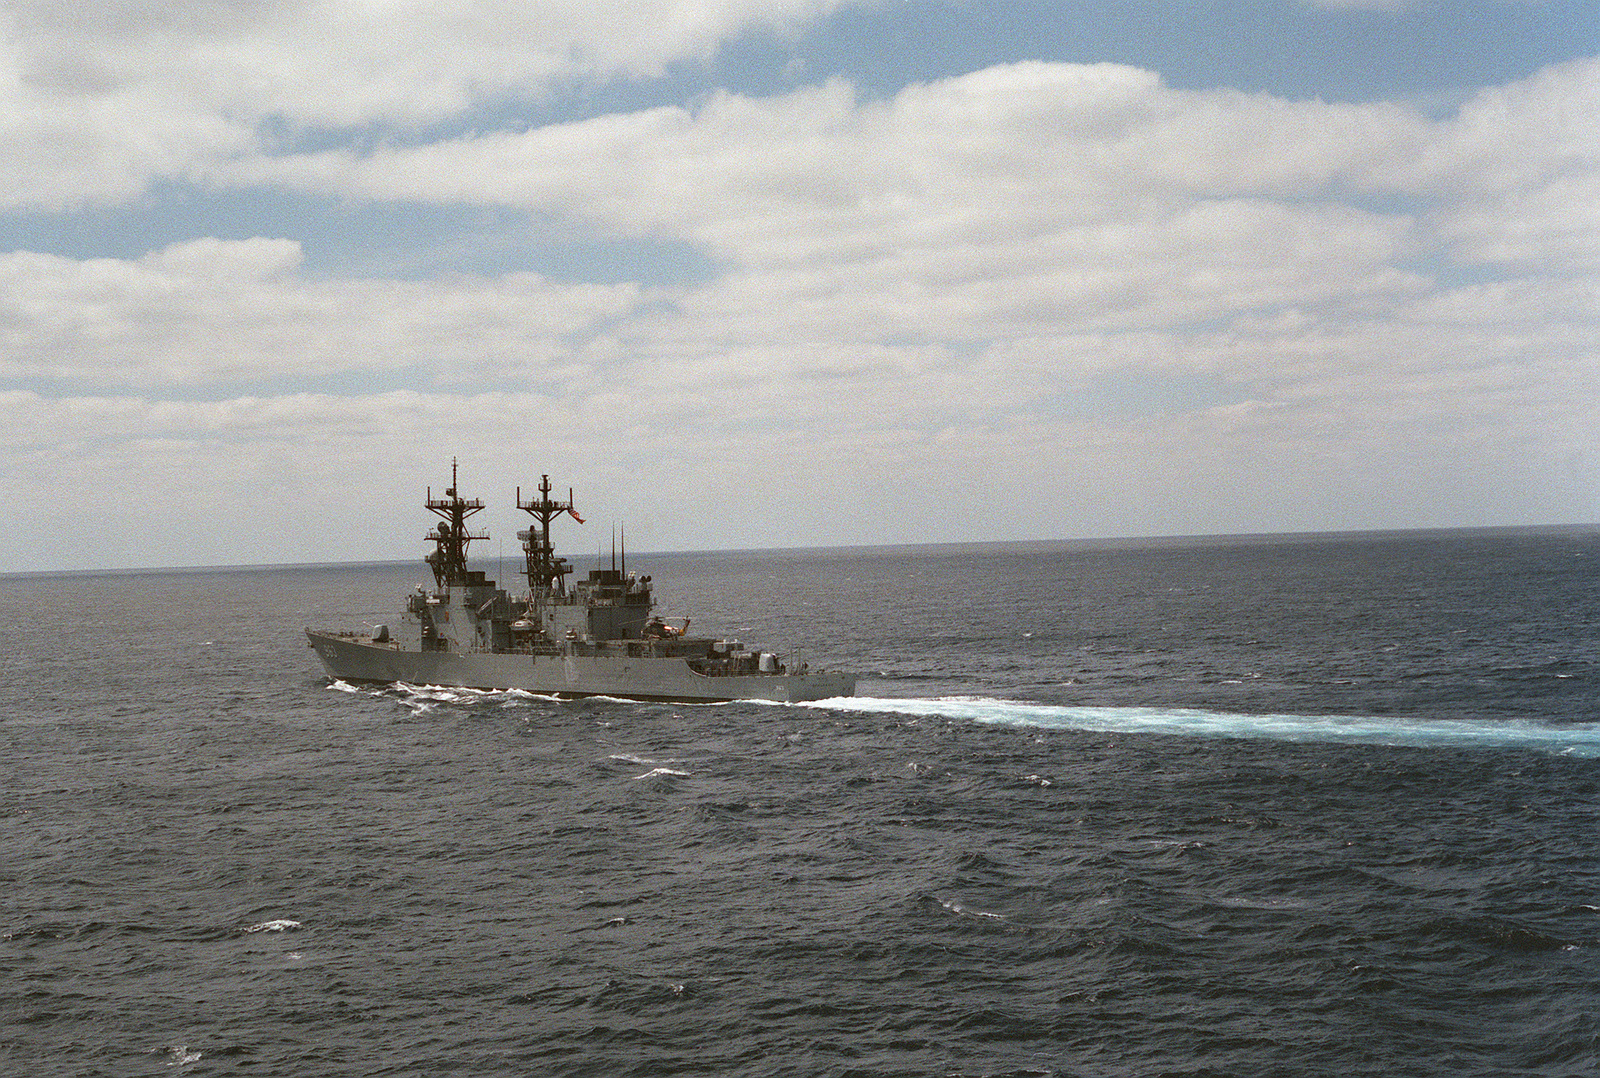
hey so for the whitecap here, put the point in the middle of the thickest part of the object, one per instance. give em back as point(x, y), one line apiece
point(181, 1055)
point(661, 771)
point(960, 910)
point(281, 925)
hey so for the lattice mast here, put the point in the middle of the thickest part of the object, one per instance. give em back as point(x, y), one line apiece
point(543, 569)
point(451, 537)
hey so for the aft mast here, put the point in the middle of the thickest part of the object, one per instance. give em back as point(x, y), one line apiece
point(545, 571)
point(451, 538)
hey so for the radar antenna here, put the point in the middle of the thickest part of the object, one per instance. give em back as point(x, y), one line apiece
point(451, 537)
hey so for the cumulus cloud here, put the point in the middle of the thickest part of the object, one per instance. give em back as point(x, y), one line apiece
point(1029, 196)
point(339, 63)
point(985, 205)
point(98, 99)
point(1070, 293)
point(209, 312)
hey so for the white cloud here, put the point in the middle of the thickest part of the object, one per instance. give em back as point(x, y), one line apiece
point(96, 100)
point(347, 62)
point(1516, 172)
point(925, 236)
point(980, 206)
point(209, 312)
point(1025, 152)
point(1070, 295)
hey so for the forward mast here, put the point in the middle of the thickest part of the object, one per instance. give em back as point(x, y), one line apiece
point(451, 537)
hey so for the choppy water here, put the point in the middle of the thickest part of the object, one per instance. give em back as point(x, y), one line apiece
point(1319, 807)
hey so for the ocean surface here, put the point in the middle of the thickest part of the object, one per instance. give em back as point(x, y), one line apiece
point(1265, 806)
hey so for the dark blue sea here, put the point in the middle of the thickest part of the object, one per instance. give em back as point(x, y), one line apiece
point(1262, 806)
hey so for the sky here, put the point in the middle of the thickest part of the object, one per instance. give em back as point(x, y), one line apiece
point(791, 273)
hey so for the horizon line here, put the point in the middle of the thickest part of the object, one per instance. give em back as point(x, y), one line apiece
point(1354, 533)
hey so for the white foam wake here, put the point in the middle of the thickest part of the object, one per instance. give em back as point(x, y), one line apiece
point(662, 771)
point(1581, 741)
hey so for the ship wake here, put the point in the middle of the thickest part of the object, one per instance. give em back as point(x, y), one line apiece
point(1580, 741)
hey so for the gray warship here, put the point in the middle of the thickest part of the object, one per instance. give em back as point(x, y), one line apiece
point(597, 637)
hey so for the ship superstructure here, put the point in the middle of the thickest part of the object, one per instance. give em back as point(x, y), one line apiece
point(595, 637)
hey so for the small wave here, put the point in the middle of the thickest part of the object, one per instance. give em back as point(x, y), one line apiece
point(961, 911)
point(179, 1055)
point(659, 771)
point(1579, 741)
point(282, 925)
point(630, 758)
point(1242, 902)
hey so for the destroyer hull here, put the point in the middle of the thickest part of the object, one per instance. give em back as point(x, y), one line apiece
point(356, 658)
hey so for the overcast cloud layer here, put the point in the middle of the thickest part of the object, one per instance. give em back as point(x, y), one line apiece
point(1042, 298)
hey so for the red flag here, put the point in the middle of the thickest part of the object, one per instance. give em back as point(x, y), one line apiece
point(575, 516)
